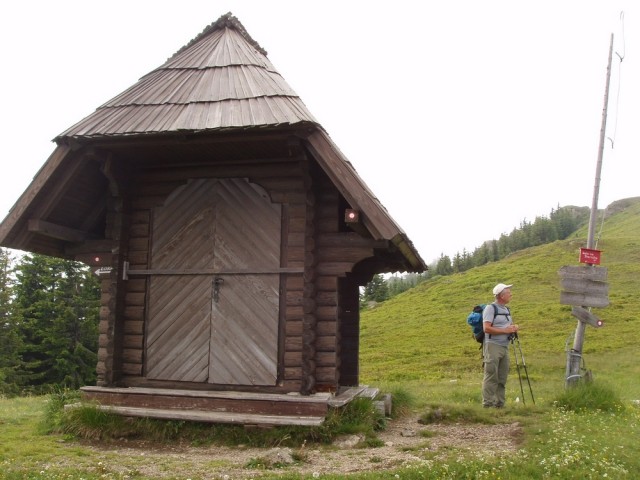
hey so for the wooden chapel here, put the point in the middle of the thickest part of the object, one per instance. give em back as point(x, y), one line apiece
point(230, 234)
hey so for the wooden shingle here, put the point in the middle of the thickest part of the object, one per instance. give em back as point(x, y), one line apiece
point(222, 79)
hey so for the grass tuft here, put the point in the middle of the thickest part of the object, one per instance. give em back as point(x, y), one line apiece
point(53, 418)
point(358, 416)
point(590, 396)
point(403, 402)
point(88, 422)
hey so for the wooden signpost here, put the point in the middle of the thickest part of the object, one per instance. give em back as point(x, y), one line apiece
point(588, 280)
point(586, 316)
point(590, 256)
point(584, 286)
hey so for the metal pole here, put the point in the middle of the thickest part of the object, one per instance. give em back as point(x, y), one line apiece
point(515, 356)
point(574, 359)
point(526, 372)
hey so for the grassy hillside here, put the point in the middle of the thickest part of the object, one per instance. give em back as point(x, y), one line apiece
point(420, 338)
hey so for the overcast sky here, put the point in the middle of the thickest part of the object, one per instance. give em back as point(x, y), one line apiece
point(463, 117)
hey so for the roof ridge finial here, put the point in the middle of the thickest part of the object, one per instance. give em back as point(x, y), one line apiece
point(225, 21)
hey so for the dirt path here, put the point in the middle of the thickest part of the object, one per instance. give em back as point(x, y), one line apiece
point(404, 444)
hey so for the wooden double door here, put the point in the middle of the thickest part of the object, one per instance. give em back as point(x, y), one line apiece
point(213, 301)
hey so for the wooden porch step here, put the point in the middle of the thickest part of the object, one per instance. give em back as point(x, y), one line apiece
point(223, 406)
point(229, 401)
point(350, 393)
point(316, 398)
point(215, 417)
point(212, 406)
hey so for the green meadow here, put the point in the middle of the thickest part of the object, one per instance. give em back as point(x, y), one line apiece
point(420, 338)
point(418, 347)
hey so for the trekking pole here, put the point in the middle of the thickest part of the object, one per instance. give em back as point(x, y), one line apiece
point(515, 355)
point(524, 365)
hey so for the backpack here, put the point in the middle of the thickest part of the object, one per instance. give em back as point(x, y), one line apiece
point(475, 320)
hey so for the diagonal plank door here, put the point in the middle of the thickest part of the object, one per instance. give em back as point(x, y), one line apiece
point(244, 337)
point(179, 315)
point(213, 313)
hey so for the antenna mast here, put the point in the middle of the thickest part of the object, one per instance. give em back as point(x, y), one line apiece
point(596, 187)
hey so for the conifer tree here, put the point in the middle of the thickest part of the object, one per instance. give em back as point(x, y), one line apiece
point(56, 309)
point(376, 290)
point(10, 341)
point(444, 267)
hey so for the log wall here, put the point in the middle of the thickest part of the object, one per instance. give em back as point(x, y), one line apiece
point(313, 313)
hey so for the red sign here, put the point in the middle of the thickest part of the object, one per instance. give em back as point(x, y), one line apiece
point(588, 255)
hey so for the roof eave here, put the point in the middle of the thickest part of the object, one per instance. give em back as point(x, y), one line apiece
point(376, 218)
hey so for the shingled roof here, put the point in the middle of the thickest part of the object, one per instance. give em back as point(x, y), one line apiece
point(220, 82)
point(221, 79)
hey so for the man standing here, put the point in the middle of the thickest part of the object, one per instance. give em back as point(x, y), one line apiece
point(498, 328)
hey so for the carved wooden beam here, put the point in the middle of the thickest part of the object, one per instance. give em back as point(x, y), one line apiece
point(111, 171)
point(53, 230)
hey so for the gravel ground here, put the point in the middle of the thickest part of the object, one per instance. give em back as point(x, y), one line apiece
point(404, 444)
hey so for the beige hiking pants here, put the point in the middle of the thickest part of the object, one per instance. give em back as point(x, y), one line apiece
point(496, 370)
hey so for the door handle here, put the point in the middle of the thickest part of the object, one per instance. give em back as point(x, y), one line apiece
point(217, 282)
